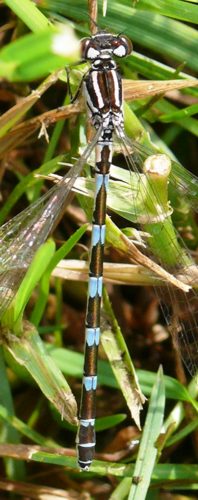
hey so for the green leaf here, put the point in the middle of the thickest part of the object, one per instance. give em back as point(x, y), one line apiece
point(116, 350)
point(101, 424)
point(122, 490)
point(147, 453)
point(188, 123)
point(36, 55)
point(35, 271)
point(14, 470)
point(186, 474)
point(185, 431)
point(45, 280)
point(180, 115)
point(174, 390)
point(12, 318)
point(67, 247)
point(19, 426)
point(153, 69)
point(28, 12)
point(29, 351)
point(171, 8)
point(109, 422)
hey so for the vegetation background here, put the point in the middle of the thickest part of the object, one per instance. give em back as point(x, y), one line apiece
point(43, 367)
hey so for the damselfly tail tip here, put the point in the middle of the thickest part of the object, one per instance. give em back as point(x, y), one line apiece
point(84, 466)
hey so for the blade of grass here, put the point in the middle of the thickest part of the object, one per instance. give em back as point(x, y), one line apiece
point(122, 490)
point(12, 318)
point(116, 350)
point(153, 69)
point(179, 436)
point(30, 352)
point(147, 453)
point(180, 115)
point(177, 414)
point(45, 281)
point(29, 13)
point(36, 55)
point(19, 426)
point(14, 470)
point(186, 474)
point(171, 8)
point(187, 122)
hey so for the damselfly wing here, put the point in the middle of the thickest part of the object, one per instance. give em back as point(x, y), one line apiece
point(21, 236)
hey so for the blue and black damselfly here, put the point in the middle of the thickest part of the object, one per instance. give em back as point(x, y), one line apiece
point(22, 236)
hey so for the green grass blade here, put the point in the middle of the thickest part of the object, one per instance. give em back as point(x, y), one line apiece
point(180, 115)
point(175, 474)
point(171, 8)
point(19, 426)
point(28, 12)
point(36, 55)
point(178, 413)
point(12, 318)
point(147, 453)
point(180, 435)
point(121, 492)
point(30, 352)
point(45, 280)
point(33, 275)
point(109, 422)
point(174, 389)
point(153, 69)
point(118, 355)
point(67, 247)
point(14, 470)
point(187, 123)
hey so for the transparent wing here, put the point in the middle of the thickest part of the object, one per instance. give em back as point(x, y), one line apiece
point(181, 180)
point(152, 211)
point(22, 236)
point(185, 184)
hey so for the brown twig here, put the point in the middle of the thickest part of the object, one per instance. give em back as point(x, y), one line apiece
point(93, 15)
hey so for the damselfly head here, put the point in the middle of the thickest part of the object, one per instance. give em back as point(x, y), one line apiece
point(103, 45)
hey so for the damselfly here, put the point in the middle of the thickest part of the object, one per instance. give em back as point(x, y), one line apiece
point(21, 237)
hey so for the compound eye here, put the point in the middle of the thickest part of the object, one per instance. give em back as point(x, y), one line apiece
point(88, 51)
point(84, 44)
point(124, 47)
